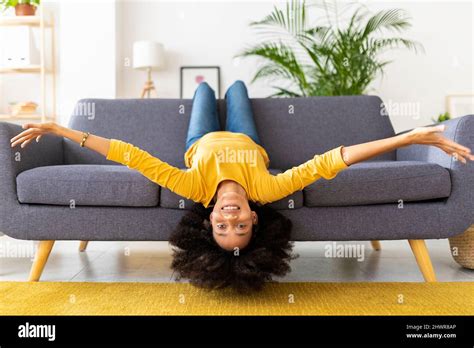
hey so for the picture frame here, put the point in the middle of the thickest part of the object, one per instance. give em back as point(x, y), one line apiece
point(460, 104)
point(192, 76)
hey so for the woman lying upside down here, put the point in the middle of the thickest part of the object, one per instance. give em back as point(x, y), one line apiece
point(229, 237)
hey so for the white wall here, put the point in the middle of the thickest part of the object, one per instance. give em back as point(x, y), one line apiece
point(210, 33)
point(193, 33)
point(446, 31)
point(96, 38)
point(87, 48)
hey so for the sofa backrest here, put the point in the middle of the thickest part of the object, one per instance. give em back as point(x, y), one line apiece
point(158, 126)
point(292, 130)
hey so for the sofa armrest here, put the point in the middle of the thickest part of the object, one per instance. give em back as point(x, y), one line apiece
point(48, 151)
point(460, 130)
point(457, 213)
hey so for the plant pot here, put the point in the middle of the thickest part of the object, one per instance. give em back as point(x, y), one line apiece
point(25, 10)
point(462, 248)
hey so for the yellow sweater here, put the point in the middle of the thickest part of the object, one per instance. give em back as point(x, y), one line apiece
point(224, 155)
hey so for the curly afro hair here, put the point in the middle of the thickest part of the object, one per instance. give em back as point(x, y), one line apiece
point(199, 258)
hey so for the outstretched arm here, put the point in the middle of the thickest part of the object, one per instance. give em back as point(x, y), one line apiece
point(271, 188)
point(183, 183)
point(36, 130)
point(422, 135)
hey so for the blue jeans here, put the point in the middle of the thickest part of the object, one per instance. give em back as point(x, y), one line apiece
point(204, 118)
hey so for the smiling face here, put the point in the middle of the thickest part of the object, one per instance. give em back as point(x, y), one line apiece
point(232, 221)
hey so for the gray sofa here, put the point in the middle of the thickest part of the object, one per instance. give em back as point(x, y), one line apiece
point(56, 190)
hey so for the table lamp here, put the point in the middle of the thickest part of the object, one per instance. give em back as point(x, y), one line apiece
point(148, 55)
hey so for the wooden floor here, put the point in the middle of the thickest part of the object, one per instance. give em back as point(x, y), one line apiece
point(149, 262)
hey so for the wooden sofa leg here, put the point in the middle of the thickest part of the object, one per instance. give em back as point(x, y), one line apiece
point(83, 245)
point(420, 251)
point(41, 257)
point(375, 244)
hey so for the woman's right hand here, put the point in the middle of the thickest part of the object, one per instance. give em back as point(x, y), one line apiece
point(32, 131)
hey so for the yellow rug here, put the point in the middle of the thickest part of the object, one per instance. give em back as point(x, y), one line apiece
point(71, 298)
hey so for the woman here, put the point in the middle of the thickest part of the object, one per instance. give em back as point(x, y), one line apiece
point(227, 239)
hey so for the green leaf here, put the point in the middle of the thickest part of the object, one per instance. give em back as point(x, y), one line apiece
point(336, 56)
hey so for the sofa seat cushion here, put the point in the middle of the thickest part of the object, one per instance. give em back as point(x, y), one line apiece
point(171, 200)
point(375, 182)
point(87, 184)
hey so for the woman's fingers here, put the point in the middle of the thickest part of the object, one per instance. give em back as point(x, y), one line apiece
point(438, 128)
point(32, 125)
point(32, 130)
point(26, 142)
point(24, 133)
point(452, 152)
point(456, 149)
point(19, 141)
point(16, 140)
point(459, 157)
point(456, 154)
point(39, 128)
point(22, 139)
point(457, 146)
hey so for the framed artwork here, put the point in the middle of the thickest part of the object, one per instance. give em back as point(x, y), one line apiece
point(192, 76)
point(460, 104)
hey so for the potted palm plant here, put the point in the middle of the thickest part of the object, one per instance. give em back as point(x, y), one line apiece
point(442, 117)
point(22, 7)
point(339, 55)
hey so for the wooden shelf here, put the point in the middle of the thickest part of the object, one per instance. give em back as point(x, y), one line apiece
point(27, 69)
point(32, 21)
point(23, 117)
point(42, 24)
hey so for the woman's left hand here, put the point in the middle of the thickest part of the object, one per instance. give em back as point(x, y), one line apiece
point(433, 136)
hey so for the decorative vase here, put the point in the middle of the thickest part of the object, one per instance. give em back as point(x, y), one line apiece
point(25, 10)
point(462, 248)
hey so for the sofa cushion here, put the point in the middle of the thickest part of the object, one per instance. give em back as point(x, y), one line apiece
point(87, 184)
point(171, 200)
point(380, 182)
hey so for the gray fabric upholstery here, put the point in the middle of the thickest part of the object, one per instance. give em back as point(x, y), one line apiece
point(457, 213)
point(292, 130)
point(87, 184)
point(171, 200)
point(49, 151)
point(154, 125)
point(317, 124)
point(380, 221)
point(380, 182)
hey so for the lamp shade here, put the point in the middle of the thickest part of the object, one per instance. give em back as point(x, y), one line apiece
point(148, 54)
